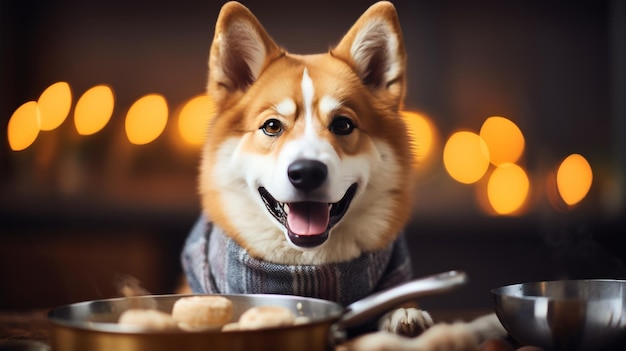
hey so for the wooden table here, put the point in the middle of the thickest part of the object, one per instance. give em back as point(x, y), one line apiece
point(24, 330)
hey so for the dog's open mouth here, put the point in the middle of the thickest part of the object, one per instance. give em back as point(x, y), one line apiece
point(308, 223)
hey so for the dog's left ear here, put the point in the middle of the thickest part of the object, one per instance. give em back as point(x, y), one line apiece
point(374, 48)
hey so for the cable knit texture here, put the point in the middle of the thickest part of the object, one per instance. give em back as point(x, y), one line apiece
point(216, 264)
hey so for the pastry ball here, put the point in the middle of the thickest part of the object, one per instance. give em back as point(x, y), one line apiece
point(201, 312)
point(148, 319)
point(266, 317)
point(231, 327)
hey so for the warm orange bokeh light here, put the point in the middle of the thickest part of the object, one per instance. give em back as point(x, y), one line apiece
point(94, 109)
point(194, 119)
point(146, 119)
point(504, 140)
point(424, 137)
point(507, 188)
point(23, 127)
point(466, 157)
point(573, 179)
point(54, 105)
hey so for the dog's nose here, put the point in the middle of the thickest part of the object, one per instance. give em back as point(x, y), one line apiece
point(307, 174)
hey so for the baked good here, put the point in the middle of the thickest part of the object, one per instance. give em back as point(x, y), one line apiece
point(265, 317)
point(202, 312)
point(234, 326)
point(148, 319)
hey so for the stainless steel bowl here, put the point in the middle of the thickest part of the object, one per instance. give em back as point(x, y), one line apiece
point(564, 315)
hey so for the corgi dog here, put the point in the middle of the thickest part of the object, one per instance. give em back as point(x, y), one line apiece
point(306, 177)
point(307, 160)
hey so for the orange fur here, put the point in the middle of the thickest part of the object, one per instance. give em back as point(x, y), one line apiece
point(245, 97)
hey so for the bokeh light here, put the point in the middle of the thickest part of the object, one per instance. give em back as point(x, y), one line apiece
point(94, 109)
point(54, 105)
point(504, 140)
point(146, 119)
point(194, 118)
point(507, 189)
point(466, 157)
point(573, 179)
point(424, 137)
point(23, 127)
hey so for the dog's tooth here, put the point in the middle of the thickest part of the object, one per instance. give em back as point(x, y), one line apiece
point(286, 208)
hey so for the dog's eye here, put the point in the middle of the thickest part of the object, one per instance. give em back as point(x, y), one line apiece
point(341, 125)
point(272, 127)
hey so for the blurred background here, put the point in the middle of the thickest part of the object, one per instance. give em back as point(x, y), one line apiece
point(518, 110)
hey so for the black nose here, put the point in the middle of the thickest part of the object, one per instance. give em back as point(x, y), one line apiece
point(307, 174)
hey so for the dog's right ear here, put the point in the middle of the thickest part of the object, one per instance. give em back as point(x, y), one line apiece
point(240, 51)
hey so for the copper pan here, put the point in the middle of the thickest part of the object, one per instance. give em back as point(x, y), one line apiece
point(92, 325)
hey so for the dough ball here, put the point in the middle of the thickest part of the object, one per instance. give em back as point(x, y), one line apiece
point(301, 320)
point(266, 317)
point(148, 319)
point(231, 327)
point(201, 312)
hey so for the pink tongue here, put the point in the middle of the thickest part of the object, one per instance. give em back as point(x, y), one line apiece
point(308, 218)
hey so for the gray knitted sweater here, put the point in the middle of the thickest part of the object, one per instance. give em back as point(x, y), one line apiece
point(216, 264)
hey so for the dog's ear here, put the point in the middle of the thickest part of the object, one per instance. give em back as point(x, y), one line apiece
point(374, 48)
point(240, 51)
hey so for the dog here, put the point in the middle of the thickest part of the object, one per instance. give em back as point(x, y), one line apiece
point(306, 177)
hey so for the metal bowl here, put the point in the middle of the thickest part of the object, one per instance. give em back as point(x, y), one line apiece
point(92, 325)
point(565, 314)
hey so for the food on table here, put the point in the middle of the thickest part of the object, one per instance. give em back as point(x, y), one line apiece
point(201, 312)
point(266, 317)
point(148, 320)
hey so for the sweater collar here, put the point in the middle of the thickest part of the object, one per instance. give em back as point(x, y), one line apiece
point(227, 268)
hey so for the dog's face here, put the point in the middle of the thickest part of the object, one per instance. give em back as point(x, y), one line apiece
point(307, 159)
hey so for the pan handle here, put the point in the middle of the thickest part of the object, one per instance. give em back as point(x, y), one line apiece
point(365, 309)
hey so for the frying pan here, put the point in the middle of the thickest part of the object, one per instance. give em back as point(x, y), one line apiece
point(92, 325)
